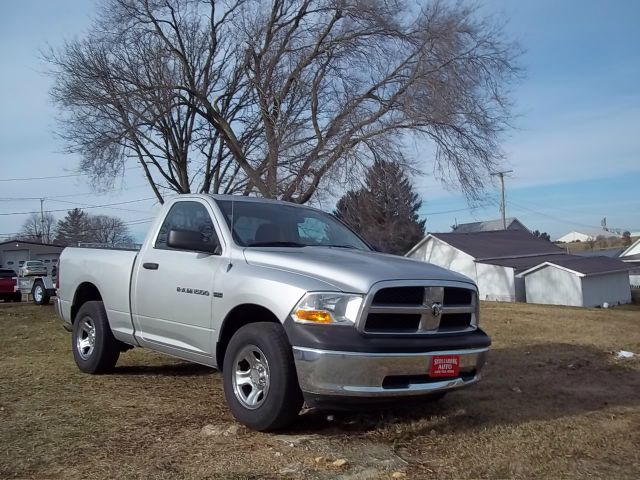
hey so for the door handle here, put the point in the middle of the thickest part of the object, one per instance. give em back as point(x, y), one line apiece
point(150, 266)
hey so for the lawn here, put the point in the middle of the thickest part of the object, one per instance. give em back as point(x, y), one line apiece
point(555, 403)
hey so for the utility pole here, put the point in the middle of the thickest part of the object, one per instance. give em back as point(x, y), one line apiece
point(503, 207)
point(42, 220)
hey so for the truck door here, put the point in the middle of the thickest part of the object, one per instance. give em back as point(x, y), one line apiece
point(172, 292)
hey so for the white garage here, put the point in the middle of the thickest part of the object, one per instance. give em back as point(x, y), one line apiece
point(631, 256)
point(13, 253)
point(492, 259)
point(578, 281)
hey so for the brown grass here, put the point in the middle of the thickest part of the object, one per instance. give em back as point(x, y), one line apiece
point(555, 403)
point(607, 243)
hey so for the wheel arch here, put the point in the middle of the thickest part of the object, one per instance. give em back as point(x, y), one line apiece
point(237, 318)
point(86, 292)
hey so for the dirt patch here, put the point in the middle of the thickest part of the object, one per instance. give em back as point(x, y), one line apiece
point(555, 402)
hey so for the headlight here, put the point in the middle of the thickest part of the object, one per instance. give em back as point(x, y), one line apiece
point(328, 308)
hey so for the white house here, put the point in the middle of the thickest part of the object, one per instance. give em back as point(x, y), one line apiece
point(631, 256)
point(576, 237)
point(633, 249)
point(578, 281)
point(585, 236)
point(492, 259)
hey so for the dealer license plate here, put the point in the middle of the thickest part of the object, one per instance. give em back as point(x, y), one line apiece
point(445, 366)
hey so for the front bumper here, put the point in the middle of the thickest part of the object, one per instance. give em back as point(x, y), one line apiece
point(380, 375)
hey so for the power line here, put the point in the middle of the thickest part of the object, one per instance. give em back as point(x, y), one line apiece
point(70, 195)
point(94, 206)
point(564, 220)
point(87, 205)
point(40, 178)
point(467, 209)
point(25, 179)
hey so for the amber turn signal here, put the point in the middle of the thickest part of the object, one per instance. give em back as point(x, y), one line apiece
point(315, 316)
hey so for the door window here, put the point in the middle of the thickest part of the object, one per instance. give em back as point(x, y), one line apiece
point(187, 216)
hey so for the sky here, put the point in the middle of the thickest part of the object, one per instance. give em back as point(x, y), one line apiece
point(574, 149)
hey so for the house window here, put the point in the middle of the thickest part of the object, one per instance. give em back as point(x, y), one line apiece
point(9, 263)
point(47, 261)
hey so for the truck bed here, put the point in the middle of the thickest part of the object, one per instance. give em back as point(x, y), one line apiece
point(110, 271)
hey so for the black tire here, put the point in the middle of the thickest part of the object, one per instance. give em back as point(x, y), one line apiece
point(39, 293)
point(106, 349)
point(281, 404)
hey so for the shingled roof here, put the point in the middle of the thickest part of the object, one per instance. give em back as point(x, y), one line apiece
point(523, 263)
point(489, 226)
point(582, 266)
point(499, 244)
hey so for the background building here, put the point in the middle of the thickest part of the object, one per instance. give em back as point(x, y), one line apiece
point(578, 281)
point(14, 253)
point(503, 262)
point(492, 258)
point(489, 226)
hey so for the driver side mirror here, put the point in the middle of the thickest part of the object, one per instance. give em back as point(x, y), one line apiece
point(192, 240)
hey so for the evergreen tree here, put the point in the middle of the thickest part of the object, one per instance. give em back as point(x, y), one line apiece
point(73, 228)
point(543, 235)
point(385, 211)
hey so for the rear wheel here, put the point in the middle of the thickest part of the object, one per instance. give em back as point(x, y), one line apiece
point(260, 381)
point(95, 349)
point(39, 293)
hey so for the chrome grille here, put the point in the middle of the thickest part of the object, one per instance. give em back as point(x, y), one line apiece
point(421, 309)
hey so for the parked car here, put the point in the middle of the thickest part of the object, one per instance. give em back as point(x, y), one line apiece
point(7, 286)
point(33, 268)
point(289, 303)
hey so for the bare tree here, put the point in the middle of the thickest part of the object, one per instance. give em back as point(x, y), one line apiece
point(285, 98)
point(108, 230)
point(39, 229)
point(80, 227)
point(114, 110)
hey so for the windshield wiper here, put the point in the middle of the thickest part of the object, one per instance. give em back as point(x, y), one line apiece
point(277, 244)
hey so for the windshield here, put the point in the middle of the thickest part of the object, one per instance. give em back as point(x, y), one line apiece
point(258, 224)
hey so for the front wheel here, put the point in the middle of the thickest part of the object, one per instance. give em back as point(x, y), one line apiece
point(39, 294)
point(95, 349)
point(260, 381)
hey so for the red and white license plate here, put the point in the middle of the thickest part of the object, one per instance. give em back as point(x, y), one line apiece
point(445, 366)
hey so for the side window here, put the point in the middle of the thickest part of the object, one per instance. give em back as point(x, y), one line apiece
point(187, 216)
point(313, 230)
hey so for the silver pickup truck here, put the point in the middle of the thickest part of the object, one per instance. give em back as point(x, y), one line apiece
point(289, 303)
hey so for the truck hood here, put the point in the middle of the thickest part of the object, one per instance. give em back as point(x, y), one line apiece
point(348, 270)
